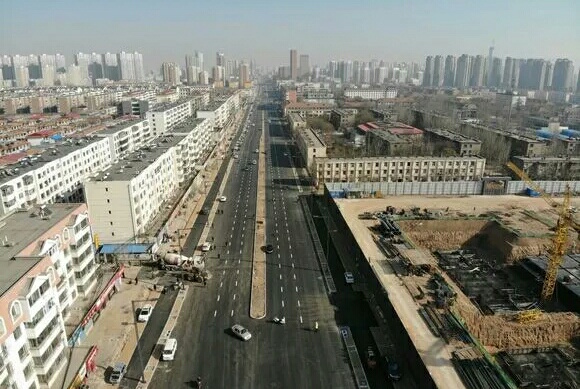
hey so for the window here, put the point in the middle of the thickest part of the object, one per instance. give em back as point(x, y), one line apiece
point(106, 189)
point(111, 223)
point(15, 311)
point(109, 212)
point(17, 333)
point(108, 201)
point(2, 327)
point(112, 234)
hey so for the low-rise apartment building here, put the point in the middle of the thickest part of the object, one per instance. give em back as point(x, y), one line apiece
point(126, 137)
point(124, 199)
point(161, 117)
point(371, 93)
point(462, 144)
point(342, 118)
point(311, 146)
point(221, 109)
point(548, 168)
point(308, 110)
point(391, 139)
point(296, 121)
point(399, 169)
point(47, 261)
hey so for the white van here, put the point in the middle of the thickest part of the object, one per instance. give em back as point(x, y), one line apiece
point(169, 350)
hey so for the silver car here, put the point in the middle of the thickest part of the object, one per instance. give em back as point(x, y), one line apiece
point(241, 332)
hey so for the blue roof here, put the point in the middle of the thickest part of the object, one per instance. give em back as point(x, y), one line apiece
point(137, 248)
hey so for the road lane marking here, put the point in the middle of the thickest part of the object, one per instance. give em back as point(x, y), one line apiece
point(282, 303)
point(298, 300)
point(238, 271)
point(232, 314)
point(294, 276)
point(301, 319)
point(290, 255)
point(282, 289)
point(236, 283)
point(240, 251)
point(215, 313)
point(292, 265)
point(218, 298)
point(228, 252)
point(224, 272)
point(239, 260)
point(278, 255)
point(280, 276)
point(234, 297)
point(221, 284)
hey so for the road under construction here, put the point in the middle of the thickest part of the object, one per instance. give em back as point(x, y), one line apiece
point(473, 270)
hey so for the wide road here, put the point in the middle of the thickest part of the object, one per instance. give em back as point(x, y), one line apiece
point(277, 356)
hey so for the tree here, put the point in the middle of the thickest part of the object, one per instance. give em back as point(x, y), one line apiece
point(321, 124)
point(363, 116)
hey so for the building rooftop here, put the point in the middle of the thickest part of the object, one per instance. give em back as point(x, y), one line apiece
point(133, 164)
point(311, 138)
point(41, 155)
point(22, 229)
point(167, 106)
point(308, 105)
point(186, 126)
point(453, 136)
point(404, 159)
point(119, 126)
point(548, 159)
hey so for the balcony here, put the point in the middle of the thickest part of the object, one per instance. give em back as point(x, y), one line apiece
point(82, 261)
point(85, 276)
point(46, 376)
point(44, 363)
point(39, 345)
point(40, 321)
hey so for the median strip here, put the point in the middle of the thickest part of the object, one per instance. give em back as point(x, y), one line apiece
point(258, 292)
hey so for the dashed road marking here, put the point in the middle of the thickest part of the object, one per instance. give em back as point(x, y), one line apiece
point(218, 297)
point(238, 271)
point(294, 276)
point(298, 300)
point(282, 289)
point(280, 276)
point(282, 303)
point(215, 313)
point(232, 314)
point(234, 297)
point(236, 283)
point(301, 319)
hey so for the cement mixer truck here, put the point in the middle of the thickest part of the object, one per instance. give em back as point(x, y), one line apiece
point(191, 268)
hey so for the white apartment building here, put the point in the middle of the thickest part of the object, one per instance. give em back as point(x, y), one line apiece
point(125, 198)
point(47, 264)
point(126, 137)
point(53, 174)
point(162, 117)
point(371, 94)
point(220, 110)
point(399, 169)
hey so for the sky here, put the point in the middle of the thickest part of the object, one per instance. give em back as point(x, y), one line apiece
point(265, 30)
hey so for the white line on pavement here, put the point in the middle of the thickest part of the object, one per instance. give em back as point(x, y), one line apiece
point(280, 276)
point(282, 303)
point(215, 313)
point(226, 261)
point(294, 276)
point(221, 284)
point(282, 289)
point(298, 303)
point(236, 283)
point(238, 271)
point(218, 298)
point(240, 251)
point(228, 252)
point(234, 296)
point(301, 319)
point(232, 314)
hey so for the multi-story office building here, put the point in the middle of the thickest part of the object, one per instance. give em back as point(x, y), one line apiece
point(463, 75)
point(399, 169)
point(293, 64)
point(438, 71)
point(463, 145)
point(449, 72)
point(163, 116)
point(563, 75)
point(304, 65)
point(47, 262)
point(220, 59)
point(169, 70)
point(428, 73)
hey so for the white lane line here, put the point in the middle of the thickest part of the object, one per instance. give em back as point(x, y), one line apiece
point(278, 255)
point(279, 266)
point(239, 260)
point(301, 319)
point(290, 255)
point(234, 297)
point(232, 314)
point(242, 243)
point(277, 239)
point(215, 313)
point(282, 289)
point(226, 261)
point(238, 271)
point(292, 265)
point(231, 235)
point(289, 247)
point(228, 252)
point(218, 298)
point(224, 272)
point(240, 251)
point(280, 276)
point(236, 283)
point(288, 236)
point(298, 303)
point(294, 276)
point(282, 303)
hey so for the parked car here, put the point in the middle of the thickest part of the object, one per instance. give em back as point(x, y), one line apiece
point(206, 247)
point(393, 369)
point(349, 278)
point(204, 211)
point(145, 313)
point(269, 249)
point(223, 199)
point(241, 332)
point(118, 372)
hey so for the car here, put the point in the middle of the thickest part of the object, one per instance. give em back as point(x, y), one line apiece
point(241, 332)
point(236, 156)
point(205, 247)
point(349, 278)
point(269, 249)
point(145, 313)
point(204, 211)
point(118, 372)
point(393, 369)
point(223, 199)
point(254, 162)
point(257, 151)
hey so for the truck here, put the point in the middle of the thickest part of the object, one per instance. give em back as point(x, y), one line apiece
point(191, 268)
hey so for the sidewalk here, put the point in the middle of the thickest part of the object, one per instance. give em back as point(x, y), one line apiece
point(113, 332)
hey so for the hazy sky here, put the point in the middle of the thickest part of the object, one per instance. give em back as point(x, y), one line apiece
point(165, 30)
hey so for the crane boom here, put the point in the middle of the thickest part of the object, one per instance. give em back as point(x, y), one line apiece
point(560, 240)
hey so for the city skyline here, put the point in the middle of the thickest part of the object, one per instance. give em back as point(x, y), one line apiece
point(452, 29)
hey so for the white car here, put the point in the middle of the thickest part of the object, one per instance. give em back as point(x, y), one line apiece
point(145, 313)
point(349, 278)
point(223, 199)
point(236, 156)
point(257, 151)
point(241, 332)
point(205, 247)
point(254, 162)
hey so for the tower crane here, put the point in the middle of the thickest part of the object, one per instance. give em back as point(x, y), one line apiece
point(560, 240)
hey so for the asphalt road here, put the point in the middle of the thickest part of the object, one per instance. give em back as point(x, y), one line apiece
point(278, 356)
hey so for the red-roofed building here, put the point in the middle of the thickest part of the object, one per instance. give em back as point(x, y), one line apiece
point(40, 137)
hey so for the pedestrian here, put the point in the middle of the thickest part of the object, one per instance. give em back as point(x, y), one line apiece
point(136, 280)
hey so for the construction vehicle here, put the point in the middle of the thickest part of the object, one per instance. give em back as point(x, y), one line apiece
point(560, 240)
point(190, 268)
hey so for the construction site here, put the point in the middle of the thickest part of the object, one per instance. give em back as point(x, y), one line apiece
point(477, 268)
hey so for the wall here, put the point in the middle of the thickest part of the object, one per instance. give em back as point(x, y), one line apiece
point(454, 188)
